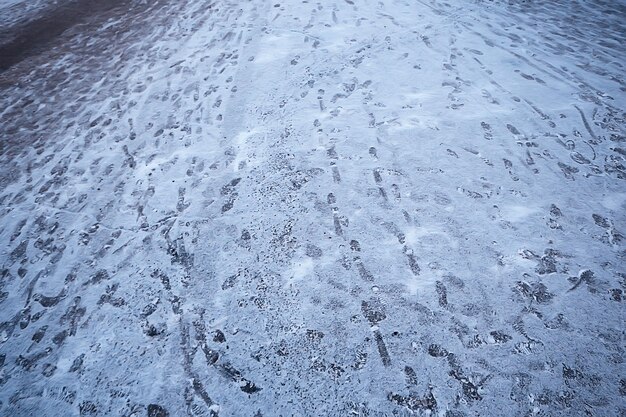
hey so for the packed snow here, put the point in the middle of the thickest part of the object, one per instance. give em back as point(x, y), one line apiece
point(313, 208)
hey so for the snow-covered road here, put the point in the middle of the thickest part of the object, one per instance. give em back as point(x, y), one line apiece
point(315, 208)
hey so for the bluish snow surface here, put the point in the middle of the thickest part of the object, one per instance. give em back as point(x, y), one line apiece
point(316, 208)
point(13, 12)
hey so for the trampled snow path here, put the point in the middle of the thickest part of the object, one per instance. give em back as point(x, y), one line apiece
point(333, 208)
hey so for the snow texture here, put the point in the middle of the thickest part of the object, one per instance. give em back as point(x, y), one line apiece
point(15, 12)
point(315, 208)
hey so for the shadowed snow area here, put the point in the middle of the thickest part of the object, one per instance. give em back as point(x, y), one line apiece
point(313, 208)
point(26, 27)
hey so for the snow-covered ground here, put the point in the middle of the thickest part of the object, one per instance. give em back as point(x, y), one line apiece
point(317, 208)
point(15, 12)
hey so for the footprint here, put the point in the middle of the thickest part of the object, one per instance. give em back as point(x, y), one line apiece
point(395, 190)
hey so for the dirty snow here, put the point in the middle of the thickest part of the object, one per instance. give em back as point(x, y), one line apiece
point(329, 208)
